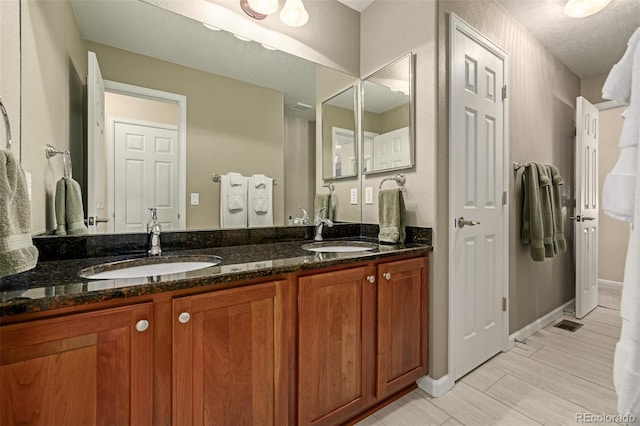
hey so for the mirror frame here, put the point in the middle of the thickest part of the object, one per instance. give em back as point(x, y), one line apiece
point(356, 131)
point(412, 131)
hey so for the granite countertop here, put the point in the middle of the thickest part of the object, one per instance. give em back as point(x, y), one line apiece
point(56, 284)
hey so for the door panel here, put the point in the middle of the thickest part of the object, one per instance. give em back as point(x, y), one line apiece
point(96, 152)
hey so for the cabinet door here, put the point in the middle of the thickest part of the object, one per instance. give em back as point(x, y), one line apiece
point(227, 354)
point(84, 369)
point(402, 324)
point(335, 342)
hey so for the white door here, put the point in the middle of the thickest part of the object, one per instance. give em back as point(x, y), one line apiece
point(586, 218)
point(145, 175)
point(477, 178)
point(392, 149)
point(343, 143)
point(96, 153)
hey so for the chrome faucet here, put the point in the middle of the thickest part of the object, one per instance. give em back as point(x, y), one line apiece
point(304, 220)
point(153, 231)
point(320, 222)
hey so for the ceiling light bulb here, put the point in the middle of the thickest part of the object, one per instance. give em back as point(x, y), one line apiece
point(266, 46)
point(211, 27)
point(239, 37)
point(265, 7)
point(294, 14)
point(583, 8)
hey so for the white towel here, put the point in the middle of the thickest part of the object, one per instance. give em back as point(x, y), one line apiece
point(233, 201)
point(236, 179)
point(260, 201)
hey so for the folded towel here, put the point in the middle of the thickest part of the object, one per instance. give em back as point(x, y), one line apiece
point(236, 179)
point(560, 244)
point(532, 228)
point(260, 201)
point(392, 216)
point(233, 202)
point(69, 208)
point(544, 181)
point(617, 87)
point(329, 202)
point(17, 252)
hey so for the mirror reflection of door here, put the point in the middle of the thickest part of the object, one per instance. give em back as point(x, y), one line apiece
point(339, 150)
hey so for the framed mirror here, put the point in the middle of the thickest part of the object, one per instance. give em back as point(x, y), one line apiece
point(388, 118)
point(339, 147)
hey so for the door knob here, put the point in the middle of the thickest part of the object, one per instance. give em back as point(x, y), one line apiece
point(184, 317)
point(142, 325)
point(462, 222)
point(585, 218)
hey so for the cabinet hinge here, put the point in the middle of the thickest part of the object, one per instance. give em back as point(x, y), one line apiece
point(504, 92)
point(504, 198)
point(504, 304)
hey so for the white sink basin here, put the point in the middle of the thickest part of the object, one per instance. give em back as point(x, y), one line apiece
point(149, 267)
point(339, 246)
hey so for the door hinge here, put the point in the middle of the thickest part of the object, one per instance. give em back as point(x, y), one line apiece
point(504, 304)
point(504, 198)
point(504, 92)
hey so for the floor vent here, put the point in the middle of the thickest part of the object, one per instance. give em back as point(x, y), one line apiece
point(568, 325)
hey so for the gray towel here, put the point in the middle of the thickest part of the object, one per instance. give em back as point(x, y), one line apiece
point(544, 180)
point(560, 243)
point(532, 230)
point(69, 209)
point(17, 252)
point(392, 216)
point(328, 201)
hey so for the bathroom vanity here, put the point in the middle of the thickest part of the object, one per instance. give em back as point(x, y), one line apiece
point(285, 336)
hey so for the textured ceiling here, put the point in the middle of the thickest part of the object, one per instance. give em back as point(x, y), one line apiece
point(588, 46)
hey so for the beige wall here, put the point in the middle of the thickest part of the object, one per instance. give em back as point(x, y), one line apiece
point(391, 29)
point(10, 70)
point(394, 119)
point(225, 132)
point(333, 116)
point(300, 158)
point(53, 71)
point(613, 235)
point(542, 93)
point(124, 106)
point(591, 88)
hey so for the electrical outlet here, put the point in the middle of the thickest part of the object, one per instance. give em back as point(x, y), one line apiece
point(368, 195)
point(354, 195)
point(195, 198)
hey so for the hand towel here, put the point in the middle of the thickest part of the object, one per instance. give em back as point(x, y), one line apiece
point(544, 181)
point(392, 216)
point(236, 179)
point(560, 244)
point(532, 230)
point(329, 202)
point(69, 209)
point(260, 201)
point(17, 252)
point(233, 202)
point(617, 87)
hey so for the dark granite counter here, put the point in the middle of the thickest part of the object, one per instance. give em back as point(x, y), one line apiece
point(55, 283)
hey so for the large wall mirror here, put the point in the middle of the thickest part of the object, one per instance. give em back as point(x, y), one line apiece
point(220, 104)
point(339, 135)
point(387, 118)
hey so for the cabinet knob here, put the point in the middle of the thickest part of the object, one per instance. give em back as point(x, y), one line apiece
point(184, 317)
point(142, 325)
point(371, 279)
point(387, 275)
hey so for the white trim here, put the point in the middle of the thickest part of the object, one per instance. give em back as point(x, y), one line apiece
point(538, 324)
point(603, 106)
point(609, 282)
point(455, 24)
point(436, 388)
point(181, 101)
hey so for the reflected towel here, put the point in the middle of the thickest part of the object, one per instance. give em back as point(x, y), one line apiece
point(329, 202)
point(392, 216)
point(69, 208)
point(544, 181)
point(233, 202)
point(532, 228)
point(557, 181)
point(260, 201)
point(17, 252)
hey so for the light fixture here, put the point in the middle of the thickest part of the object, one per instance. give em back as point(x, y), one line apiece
point(266, 46)
point(294, 14)
point(239, 37)
point(211, 27)
point(583, 8)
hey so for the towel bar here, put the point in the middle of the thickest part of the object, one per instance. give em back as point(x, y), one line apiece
point(51, 151)
point(331, 187)
point(217, 178)
point(517, 165)
point(6, 124)
point(399, 178)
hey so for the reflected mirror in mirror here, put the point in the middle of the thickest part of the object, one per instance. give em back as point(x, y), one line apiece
point(339, 148)
point(387, 118)
point(247, 109)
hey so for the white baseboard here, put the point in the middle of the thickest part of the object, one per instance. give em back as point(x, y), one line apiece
point(538, 324)
point(611, 283)
point(436, 388)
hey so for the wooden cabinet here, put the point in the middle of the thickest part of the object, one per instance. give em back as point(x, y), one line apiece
point(228, 357)
point(402, 324)
point(83, 369)
point(335, 340)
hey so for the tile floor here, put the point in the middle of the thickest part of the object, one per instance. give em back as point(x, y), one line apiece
point(546, 380)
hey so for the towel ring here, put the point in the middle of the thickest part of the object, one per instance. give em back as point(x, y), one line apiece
point(50, 151)
point(7, 125)
point(331, 187)
point(399, 178)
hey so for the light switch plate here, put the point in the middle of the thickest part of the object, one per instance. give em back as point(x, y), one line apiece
point(195, 198)
point(368, 195)
point(354, 195)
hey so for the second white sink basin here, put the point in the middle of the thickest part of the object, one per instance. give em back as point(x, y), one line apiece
point(149, 267)
point(339, 246)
